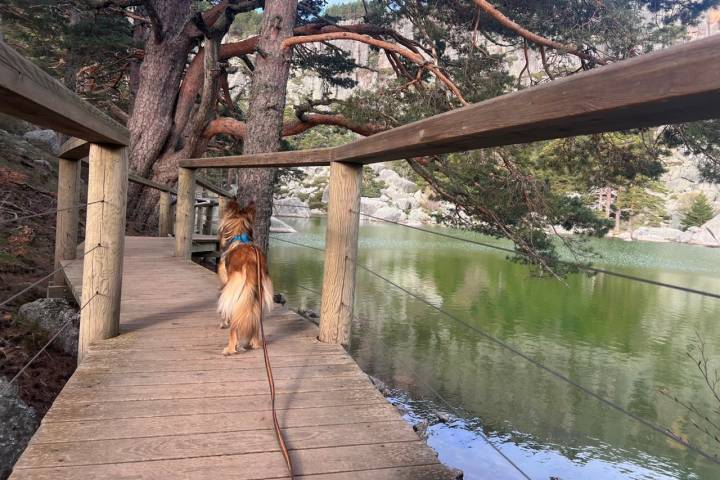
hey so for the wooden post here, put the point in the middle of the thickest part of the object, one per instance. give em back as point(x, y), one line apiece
point(207, 227)
point(341, 239)
point(198, 220)
point(184, 212)
point(166, 220)
point(66, 227)
point(104, 229)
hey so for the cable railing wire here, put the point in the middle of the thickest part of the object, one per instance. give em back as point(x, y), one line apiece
point(47, 212)
point(513, 251)
point(38, 282)
point(445, 402)
point(44, 347)
point(557, 374)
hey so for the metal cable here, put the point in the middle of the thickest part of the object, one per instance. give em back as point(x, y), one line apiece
point(41, 280)
point(44, 347)
point(49, 212)
point(513, 251)
point(536, 363)
point(442, 399)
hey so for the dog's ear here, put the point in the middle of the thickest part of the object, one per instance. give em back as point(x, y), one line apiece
point(232, 208)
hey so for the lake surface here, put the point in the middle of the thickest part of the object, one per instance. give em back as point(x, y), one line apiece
point(625, 340)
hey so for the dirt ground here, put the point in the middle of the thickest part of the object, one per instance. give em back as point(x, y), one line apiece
point(28, 182)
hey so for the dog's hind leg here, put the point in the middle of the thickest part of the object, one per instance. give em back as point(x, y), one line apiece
point(231, 348)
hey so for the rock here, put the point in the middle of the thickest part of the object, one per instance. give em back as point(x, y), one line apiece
point(371, 205)
point(377, 167)
point(443, 417)
point(419, 217)
point(46, 139)
point(421, 428)
point(316, 212)
point(656, 234)
point(387, 174)
point(291, 207)
point(708, 234)
point(404, 204)
point(391, 214)
point(326, 195)
point(402, 184)
point(49, 314)
point(18, 422)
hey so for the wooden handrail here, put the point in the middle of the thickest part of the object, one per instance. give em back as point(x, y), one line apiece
point(32, 95)
point(213, 188)
point(677, 84)
point(135, 178)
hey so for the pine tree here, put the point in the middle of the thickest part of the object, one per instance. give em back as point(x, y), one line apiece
point(699, 212)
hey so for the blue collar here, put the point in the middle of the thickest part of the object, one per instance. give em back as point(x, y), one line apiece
point(244, 239)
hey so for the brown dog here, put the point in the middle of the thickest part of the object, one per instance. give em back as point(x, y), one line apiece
point(240, 266)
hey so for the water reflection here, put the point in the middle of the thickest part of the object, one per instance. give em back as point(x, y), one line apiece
point(622, 339)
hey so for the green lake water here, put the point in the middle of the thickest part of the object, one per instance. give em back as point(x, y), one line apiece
point(625, 340)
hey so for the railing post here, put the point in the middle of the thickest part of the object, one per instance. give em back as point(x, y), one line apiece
point(341, 240)
point(66, 227)
point(104, 244)
point(165, 221)
point(185, 212)
point(207, 227)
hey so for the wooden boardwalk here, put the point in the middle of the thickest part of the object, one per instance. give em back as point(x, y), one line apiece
point(160, 401)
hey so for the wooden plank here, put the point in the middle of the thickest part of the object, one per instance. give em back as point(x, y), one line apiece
point(328, 403)
point(74, 149)
point(335, 460)
point(341, 243)
point(104, 229)
point(161, 402)
point(299, 158)
point(677, 84)
point(31, 94)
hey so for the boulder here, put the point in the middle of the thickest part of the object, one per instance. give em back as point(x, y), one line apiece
point(377, 167)
point(46, 139)
point(388, 174)
point(419, 217)
point(326, 195)
point(291, 207)
point(18, 422)
point(402, 185)
point(657, 234)
point(49, 314)
point(371, 205)
point(708, 234)
point(391, 214)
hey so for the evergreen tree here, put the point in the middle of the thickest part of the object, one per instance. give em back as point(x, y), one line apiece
point(699, 212)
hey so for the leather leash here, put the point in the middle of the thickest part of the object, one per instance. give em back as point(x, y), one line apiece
point(268, 370)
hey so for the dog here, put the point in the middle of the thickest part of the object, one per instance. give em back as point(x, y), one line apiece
point(244, 278)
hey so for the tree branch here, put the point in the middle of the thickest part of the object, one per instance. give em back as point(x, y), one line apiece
point(238, 129)
point(409, 54)
point(533, 37)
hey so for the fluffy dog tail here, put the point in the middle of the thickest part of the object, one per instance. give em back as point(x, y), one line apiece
point(239, 306)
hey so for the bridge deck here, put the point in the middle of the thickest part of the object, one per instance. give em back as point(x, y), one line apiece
point(159, 401)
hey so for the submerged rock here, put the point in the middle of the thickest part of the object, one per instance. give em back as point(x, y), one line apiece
point(18, 422)
point(49, 315)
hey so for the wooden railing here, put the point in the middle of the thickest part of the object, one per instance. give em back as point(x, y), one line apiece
point(678, 84)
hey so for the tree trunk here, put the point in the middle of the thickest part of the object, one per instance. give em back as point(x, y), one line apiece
point(618, 213)
point(265, 110)
point(160, 73)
